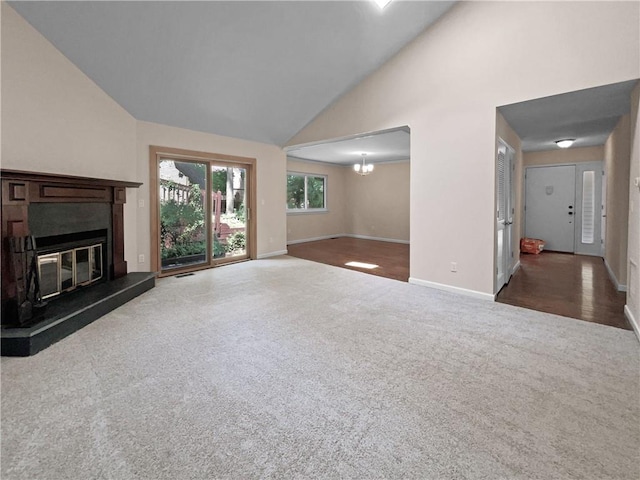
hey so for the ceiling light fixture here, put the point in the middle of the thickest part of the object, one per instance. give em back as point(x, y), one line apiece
point(565, 143)
point(382, 3)
point(363, 169)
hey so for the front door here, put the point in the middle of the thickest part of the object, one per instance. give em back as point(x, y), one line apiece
point(550, 209)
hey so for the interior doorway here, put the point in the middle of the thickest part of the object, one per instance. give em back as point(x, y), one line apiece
point(348, 202)
point(566, 144)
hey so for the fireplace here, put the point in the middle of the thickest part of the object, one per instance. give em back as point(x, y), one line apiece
point(62, 256)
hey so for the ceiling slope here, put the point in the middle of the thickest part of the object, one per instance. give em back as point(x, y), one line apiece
point(253, 70)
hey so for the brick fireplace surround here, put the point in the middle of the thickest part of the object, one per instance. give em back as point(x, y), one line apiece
point(49, 207)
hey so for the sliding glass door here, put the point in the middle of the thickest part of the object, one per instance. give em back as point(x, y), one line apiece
point(201, 210)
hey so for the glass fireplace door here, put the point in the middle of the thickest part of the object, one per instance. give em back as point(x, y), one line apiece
point(64, 271)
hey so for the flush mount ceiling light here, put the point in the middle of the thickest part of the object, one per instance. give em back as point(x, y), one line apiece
point(565, 142)
point(363, 169)
point(382, 3)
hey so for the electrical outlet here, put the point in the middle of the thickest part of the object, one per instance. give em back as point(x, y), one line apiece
point(141, 203)
point(454, 267)
point(141, 258)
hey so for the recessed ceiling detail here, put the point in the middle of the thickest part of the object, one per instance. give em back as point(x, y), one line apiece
point(588, 116)
point(387, 146)
point(253, 70)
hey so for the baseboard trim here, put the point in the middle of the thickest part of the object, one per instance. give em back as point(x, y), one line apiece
point(379, 239)
point(452, 289)
point(314, 239)
point(351, 235)
point(272, 254)
point(620, 287)
point(633, 321)
point(515, 268)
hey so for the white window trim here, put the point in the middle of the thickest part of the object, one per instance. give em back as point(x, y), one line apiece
point(304, 211)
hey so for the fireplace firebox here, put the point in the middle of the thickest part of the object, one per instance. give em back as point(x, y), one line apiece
point(67, 262)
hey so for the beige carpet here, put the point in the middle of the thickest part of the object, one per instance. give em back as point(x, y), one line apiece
point(283, 368)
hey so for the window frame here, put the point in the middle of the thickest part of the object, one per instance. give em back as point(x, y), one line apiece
point(306, 209)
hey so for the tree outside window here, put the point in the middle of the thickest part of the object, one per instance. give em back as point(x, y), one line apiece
point(306, 192)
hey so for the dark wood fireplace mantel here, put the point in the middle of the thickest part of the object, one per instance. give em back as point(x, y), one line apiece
point(21, 189)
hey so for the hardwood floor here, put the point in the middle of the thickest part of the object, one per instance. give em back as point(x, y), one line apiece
point(575, 286)
point(392, 259)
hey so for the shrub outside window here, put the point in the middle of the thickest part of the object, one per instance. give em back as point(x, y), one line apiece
point(306, 192)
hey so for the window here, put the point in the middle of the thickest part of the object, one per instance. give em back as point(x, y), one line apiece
point(306, 192)
point(588, 207)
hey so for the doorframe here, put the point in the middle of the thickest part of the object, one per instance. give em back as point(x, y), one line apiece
point(510, 214)
point(156, 153)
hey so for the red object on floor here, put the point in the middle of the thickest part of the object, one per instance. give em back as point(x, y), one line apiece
point(531, 245)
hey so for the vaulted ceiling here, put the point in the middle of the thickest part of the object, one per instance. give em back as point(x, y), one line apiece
point(253, 70)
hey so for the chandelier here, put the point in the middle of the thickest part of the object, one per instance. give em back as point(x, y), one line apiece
point(363, 169)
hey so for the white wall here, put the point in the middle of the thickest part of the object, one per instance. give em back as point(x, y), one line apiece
point(616, 166)
point(378, 204)
point(446, 86)
point(55, 119)
point(564, 155)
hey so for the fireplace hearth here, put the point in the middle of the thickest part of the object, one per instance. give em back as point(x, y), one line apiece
point(62, 250)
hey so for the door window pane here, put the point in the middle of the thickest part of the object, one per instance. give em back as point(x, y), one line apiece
point(588, 207)
point(183, 239)
point(229, 211)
